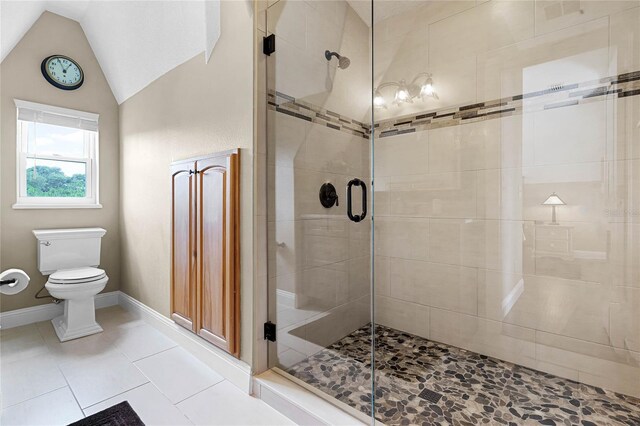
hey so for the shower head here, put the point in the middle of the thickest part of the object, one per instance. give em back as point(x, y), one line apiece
point(343, 61)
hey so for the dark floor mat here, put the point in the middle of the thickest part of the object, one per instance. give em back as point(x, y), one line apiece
point(119, 415)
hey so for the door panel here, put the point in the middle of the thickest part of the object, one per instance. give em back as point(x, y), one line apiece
point(183, 297)
point(217, 218)
point(318, 226)
point(212, 248)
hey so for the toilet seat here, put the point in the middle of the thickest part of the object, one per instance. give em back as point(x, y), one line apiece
point(77, 276)
point(78, 288)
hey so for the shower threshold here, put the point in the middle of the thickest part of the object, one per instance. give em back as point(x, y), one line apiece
point(422, 382)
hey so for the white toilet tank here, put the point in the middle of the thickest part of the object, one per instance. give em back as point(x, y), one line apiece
point(68, 248)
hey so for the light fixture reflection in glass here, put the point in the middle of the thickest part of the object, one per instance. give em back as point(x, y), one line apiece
point(378, 100)
point(421, 85)
point(553, 200)
point(402, 94)
point(427, 88)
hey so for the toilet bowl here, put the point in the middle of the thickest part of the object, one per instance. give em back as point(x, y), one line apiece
point(77, 287)
point(70, 257)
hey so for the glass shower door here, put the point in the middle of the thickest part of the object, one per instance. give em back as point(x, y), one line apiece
point(318, 110)
point(507, 188)
point(501, 271)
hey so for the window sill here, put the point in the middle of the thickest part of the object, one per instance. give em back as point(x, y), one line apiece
point(55, 206)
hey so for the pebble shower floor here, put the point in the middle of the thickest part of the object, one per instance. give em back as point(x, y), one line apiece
point(421, 382)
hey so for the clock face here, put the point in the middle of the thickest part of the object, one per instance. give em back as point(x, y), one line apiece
point(62, 72)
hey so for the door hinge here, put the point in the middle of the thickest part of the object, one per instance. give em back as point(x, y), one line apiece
point(269, 44)
point(269, 331)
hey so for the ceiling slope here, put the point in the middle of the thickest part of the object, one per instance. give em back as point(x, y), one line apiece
point(135, 42)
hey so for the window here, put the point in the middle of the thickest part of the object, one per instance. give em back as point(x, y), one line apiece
point(57, 157)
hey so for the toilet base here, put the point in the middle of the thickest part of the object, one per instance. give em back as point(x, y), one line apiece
point(78, 320)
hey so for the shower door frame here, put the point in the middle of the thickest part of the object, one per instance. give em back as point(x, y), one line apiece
point(272, 352)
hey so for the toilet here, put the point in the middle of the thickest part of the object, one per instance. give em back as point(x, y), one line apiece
point(70, 258)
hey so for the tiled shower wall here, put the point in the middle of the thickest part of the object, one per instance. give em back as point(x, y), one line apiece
point(465, 254)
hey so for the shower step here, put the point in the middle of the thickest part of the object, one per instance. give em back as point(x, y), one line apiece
point(301, 405)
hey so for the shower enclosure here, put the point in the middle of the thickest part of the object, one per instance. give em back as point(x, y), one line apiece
point(453, 208)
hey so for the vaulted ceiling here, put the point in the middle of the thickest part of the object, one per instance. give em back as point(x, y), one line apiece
point(135, 42)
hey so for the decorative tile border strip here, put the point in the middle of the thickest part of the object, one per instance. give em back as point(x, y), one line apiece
point(286, 104)
point(619, 86)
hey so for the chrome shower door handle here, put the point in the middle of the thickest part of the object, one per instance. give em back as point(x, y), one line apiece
point(359, 217)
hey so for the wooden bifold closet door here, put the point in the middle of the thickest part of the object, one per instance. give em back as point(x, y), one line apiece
point(211, 306)
point(217, 268)
point(183, 254)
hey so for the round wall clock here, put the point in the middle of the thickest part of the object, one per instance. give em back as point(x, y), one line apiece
point(62, 72)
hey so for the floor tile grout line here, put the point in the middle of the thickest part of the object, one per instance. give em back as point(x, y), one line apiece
point(72, 391)
point(137, 387)
point(113, 351)
point(77, 354)
point(113, 396)
point(186, 416)
point(153, 354)
point(197, 393)
point(149, 380)
point(40, 331)
point(75, 398)
point(43, 339)
point(57, 367)
point(167, 396)
point(37, 396)
point(175, 405)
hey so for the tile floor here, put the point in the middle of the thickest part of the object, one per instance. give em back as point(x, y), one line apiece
point(45, 382)
point(421, 382)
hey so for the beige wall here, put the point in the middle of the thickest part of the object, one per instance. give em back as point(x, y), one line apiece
point(194, 109)
point(464, 252)
point(21, 79)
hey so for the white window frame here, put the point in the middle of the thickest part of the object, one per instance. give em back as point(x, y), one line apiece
point(91, 140)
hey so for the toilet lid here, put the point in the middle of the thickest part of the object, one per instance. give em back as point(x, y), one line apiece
point(65, 276)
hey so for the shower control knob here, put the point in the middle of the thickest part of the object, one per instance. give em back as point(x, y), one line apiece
point(328, 195)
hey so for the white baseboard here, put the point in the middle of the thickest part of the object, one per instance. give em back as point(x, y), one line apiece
point(234, 370)
point(104, 300)
point(49, 311)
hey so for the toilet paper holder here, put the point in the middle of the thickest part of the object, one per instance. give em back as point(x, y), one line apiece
point(9, 281)
point(13, 281)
